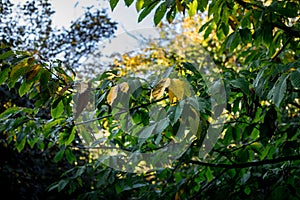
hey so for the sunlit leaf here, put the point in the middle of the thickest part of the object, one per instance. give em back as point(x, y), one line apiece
point(25, 87)
point(72, 136)
point(113, 93)
point(139, 5)
point(159, 89)
point(209, 174)
point(33, 72)
point(57, 111)
point(20, 69)
point(179, 89)
point(193, 6)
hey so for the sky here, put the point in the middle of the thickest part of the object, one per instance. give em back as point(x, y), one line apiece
point(67, 10)
point(129, 33)
point(127, 18)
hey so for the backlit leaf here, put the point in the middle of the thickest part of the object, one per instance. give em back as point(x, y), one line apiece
point(113, 93)
point(20, 69)
point(179, 89)
point(193, 5)
point(139, 5)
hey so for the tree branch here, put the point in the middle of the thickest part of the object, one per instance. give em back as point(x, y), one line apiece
point(281, 49)
point(247, 164)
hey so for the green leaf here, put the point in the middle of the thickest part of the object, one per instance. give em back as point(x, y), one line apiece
point(278, 91)
point(225, 28)
point(291, 9)
point(175, 112)
point(20, 69)
point(204, 26)
point(202, 4)
point(171, 14)
point(62, 184)
point(243, 155)
point(10, 111)
point(139, 5)
point(57, 111)
point(4, 75)
point(71, 137)
point(209, 174)
point(146, 11)
point(159, 13)
point(25, 87)
point(6, 55)
point(246, 35)
point(295, 78)
point(267, 34)
point(113, 4)
point(70, 156)
point(59, 155)
point(246, 22)
point(161, 125)
point(145, 134)
point(242, 84)
point(192, 8)
point(128, 2)
point(233, 41)
point(21, 144)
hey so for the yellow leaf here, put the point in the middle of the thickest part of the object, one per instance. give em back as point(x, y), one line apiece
point(123, 87)
point(159, 89)
point(20, 69)
point(139, 4)
point(177, 196)
point(33, 72)
point(179, 89)
point(172, 97)
point(180, 8)
point(113, 93)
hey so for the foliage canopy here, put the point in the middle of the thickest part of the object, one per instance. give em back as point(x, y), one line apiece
point(255, 48)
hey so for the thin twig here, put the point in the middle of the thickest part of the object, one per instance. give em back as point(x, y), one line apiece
point(247, 164)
